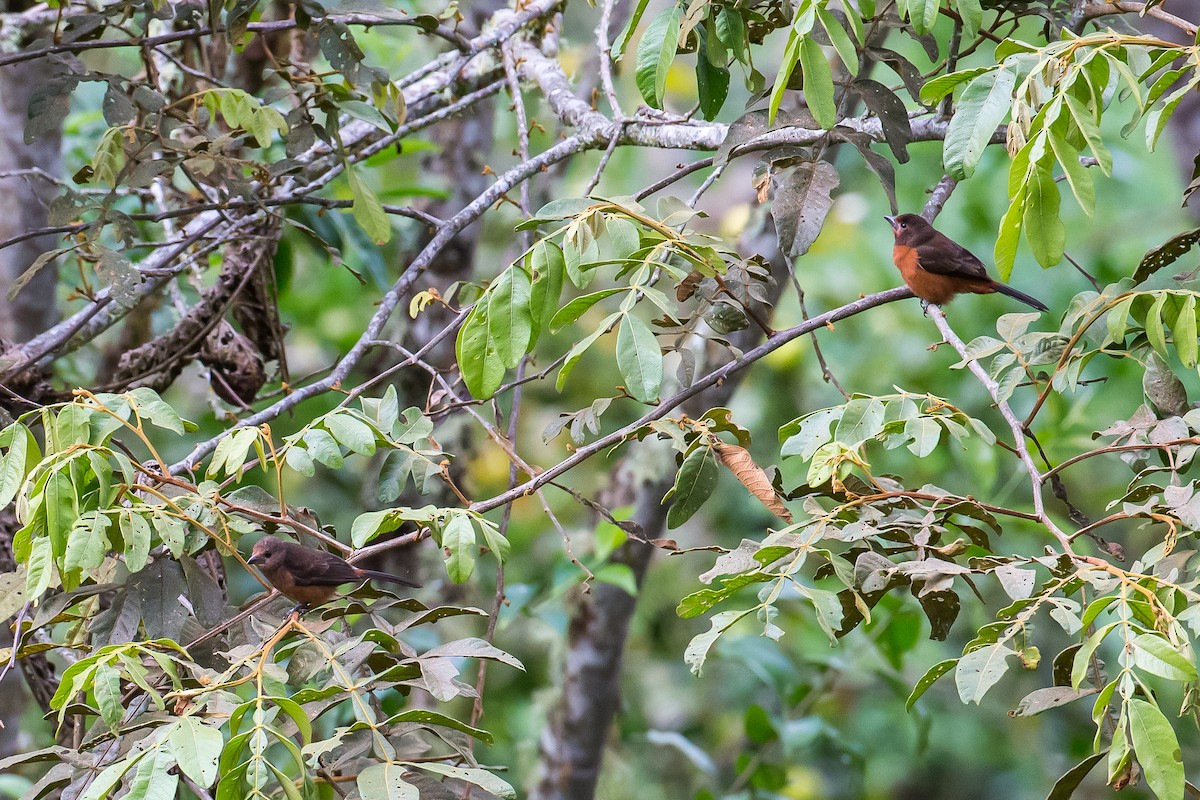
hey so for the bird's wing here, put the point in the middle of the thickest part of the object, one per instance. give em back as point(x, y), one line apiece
point(948, 257)
point(318, 568)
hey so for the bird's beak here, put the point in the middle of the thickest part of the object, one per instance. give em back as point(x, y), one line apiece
point(254, 558)
point(891, 221)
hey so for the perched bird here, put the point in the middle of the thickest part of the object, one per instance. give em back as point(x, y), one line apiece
point(309, 576)
point(937, 268)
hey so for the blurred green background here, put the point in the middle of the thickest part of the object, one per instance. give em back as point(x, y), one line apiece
point(795, 718)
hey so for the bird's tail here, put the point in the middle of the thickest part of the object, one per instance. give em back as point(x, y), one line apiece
point(1004, 288)
point(384, 576)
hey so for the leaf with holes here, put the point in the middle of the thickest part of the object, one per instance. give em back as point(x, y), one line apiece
point(980, 670)
point(803, 198)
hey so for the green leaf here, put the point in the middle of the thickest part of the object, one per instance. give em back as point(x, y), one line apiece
point(1155, 330)
point(1078, 176)
point(1155, 655)
point(758, 725)
point(88, 542)
point(922, 14)
point(197, 747)
point(818, 83)
point(564, 208)
point(579, 306)
point(655, 53)
point(231, 453)
point(549, 273)
point(731, 30)
point(480, 777)
point(478, 359)
point(322, 446)
point(1065, 787)
point(712, 83)
point(972, 17)
point(424, 717)
point(104, 783)
point(510, 321)
point(1091, 132)
point(618, 47)
point(154, 779)
point(298, 716)
point(980, 670)
point(39, 568)
point(458, 540)
point(135, 530)
point(1157, 749)
point(1044, 230)
point(493, 540)
point(983, 105)
point(106, 685)
point(580, 347)
point(299, 460)
point(1156, 120)
point(791, 56)
point(925, 433)
point(351, 432)
point(1117, 320)
point(939, 87)
point(862, 419)
point(368, 525)
point(1183, 332)
point(693, 485)
point(1095, 609)
point(928, 679)
point(59, 502)
point(386, 782)
point(1010, 234)
point(705, 600)
point(1083, 656)
point(840, 40)
point(697, 650)
point(16, 461)
point(368, 211)
point(639, 359)
point(619, 575)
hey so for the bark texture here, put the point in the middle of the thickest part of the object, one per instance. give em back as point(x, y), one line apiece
point(24, 202)
point(572, 743)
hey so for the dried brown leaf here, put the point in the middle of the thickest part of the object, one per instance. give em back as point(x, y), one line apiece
point(739, 461)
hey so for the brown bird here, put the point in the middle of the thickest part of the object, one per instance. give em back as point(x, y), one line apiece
point(310, 576)
point(937, 268)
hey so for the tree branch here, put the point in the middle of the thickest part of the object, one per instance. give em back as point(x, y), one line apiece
point(1015, 425)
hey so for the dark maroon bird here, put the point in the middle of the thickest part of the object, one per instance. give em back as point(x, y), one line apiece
point(937, 268)
point(309, 576)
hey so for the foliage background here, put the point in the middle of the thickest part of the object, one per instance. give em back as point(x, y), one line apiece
point(796, 716)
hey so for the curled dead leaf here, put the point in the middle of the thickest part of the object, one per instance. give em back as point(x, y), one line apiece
point(739, 461)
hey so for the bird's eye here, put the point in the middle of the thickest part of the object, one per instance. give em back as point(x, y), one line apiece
point(903, 224)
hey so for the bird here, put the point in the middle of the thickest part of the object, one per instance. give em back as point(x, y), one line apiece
point(937, 268)
point(310, 576)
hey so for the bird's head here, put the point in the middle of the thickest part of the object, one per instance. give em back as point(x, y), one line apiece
point(907, 226)
point(268, 552)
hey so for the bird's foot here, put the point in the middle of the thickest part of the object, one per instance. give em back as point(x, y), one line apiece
point(299, 610)
point(925, 307)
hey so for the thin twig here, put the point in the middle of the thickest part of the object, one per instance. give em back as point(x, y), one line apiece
point(1014, 424)
point(665, 406)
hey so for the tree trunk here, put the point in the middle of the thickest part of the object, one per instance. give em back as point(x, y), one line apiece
point(24, 202)
point(572, 743)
